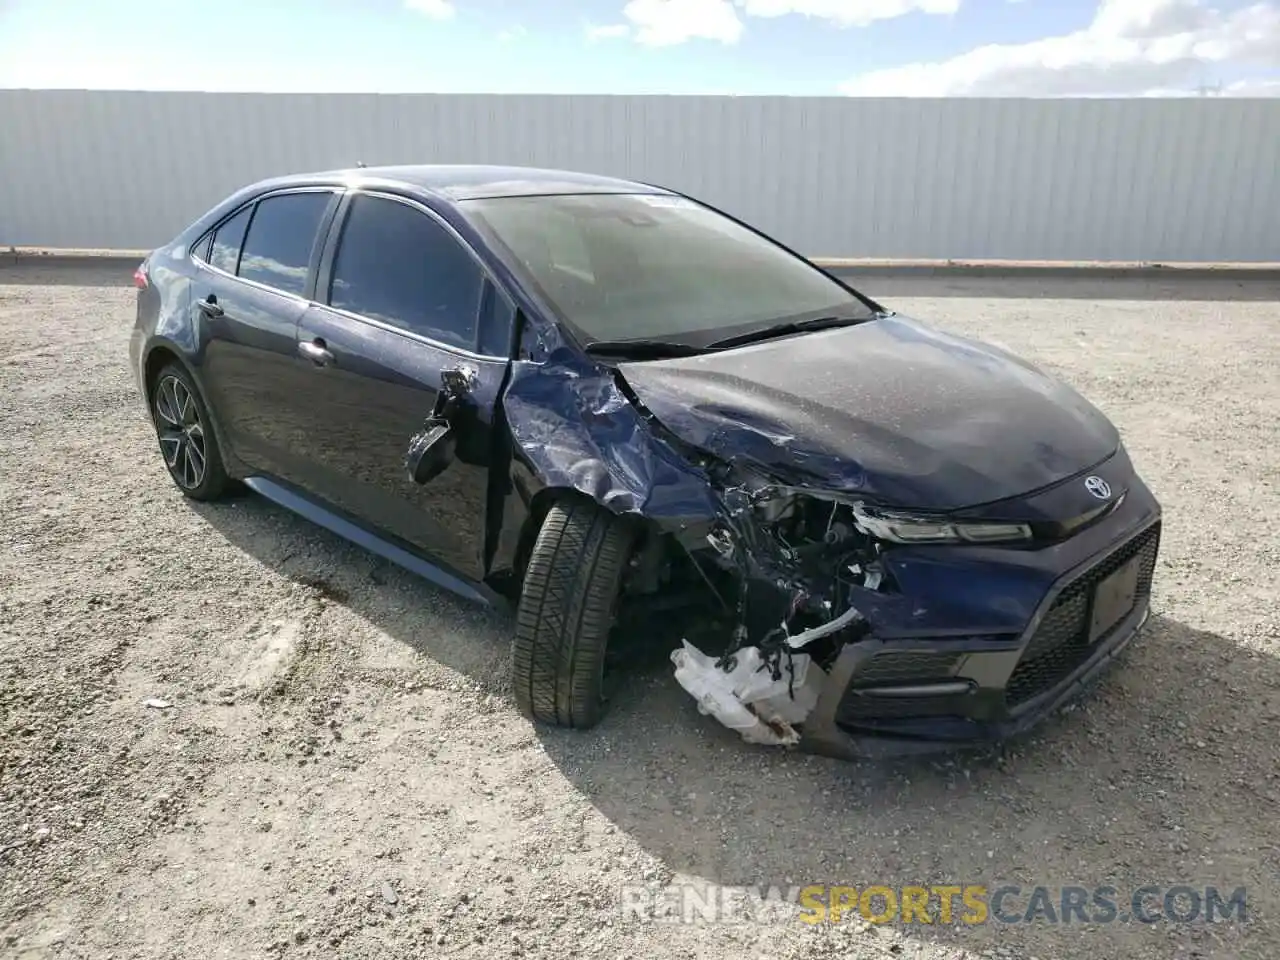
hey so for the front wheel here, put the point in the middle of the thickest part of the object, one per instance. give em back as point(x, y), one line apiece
point(567, 609)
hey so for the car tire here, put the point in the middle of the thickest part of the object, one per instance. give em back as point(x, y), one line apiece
point(568, 606)
point(185, 433)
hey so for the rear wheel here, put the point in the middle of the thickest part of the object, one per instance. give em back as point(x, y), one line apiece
point(187, 442)
point(568, 606)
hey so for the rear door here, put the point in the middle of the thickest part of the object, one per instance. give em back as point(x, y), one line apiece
point(400, 300)
point(252, 289)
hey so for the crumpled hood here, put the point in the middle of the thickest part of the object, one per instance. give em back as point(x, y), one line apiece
point(908, 415)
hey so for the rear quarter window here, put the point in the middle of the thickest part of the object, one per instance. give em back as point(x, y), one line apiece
point(200, 249)
point(227, 239)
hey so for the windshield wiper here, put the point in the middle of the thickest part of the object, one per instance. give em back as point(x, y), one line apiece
point(642, 349)
point(783, 329)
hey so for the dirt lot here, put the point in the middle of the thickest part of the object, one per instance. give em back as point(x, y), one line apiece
point(341, 773)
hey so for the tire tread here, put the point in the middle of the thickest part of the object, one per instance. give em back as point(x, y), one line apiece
point(566, 613)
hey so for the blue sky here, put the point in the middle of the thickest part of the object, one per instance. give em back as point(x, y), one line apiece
point(744, 47)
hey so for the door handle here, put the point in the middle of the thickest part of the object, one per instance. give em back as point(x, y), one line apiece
point(316, 351)
point(209, 307)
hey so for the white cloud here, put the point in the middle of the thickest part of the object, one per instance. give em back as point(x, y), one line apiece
point(661, 23)
point(1131, 47)
point(847, 13)
point(435, 9)
point(1252, 88)
point(667, 22)
point(512, 33)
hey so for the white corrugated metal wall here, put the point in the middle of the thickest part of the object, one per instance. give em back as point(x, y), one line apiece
point(1163, 180)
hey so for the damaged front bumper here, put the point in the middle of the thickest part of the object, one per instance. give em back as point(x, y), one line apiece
point(897, 697)
point(1044, 624)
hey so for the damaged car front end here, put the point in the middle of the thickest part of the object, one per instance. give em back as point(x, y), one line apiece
point(908, 633)
point(924, 575)
point(907, 540)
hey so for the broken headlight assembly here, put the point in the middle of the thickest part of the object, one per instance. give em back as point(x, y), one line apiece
point(900, 527)
point(773, 503)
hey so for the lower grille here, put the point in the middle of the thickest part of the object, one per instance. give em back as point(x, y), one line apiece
point(907, 666)
point(855, 710)
point(1061, 642)
point(898, 667)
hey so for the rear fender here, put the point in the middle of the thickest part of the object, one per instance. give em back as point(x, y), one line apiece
point(160, 352)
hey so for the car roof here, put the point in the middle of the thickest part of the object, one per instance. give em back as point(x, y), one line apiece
point(455, 182)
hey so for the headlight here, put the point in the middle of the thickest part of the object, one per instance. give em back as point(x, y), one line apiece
point(908, 528)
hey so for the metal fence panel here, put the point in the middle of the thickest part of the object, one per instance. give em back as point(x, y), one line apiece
point(1142, 179)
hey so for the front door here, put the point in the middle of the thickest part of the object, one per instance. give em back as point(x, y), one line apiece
point(397, 308)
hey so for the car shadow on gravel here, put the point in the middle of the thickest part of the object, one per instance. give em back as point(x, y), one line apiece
point(458, 634)
point(463, 636)
point(1133, 785)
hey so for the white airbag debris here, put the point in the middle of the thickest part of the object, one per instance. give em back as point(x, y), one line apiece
point(746, 697)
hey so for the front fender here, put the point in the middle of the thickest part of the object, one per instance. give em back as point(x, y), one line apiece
point(575, 429)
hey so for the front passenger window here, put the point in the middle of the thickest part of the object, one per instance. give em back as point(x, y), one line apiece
point(397, 265)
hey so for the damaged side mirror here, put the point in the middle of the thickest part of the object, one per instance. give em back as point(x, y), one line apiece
point(433, 448)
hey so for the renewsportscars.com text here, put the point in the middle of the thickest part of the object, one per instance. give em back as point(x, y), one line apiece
point(966, 904)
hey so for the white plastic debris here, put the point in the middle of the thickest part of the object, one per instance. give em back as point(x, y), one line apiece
point(747, 698)
point(155, 703)
point(824, 630)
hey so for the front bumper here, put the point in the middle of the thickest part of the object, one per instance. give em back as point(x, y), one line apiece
point(888, 697)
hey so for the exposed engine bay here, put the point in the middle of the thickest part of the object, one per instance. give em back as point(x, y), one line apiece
point(798, 558)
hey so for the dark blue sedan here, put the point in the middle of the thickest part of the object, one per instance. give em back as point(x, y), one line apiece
point(622, 409)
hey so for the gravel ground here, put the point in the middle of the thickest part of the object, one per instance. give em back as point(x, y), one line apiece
point(340, 771)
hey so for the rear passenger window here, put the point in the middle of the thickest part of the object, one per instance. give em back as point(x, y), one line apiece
point(277, 250)
point(227, 240)
point(395, 264)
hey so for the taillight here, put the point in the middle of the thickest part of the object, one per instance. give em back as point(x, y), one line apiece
point(140, 276)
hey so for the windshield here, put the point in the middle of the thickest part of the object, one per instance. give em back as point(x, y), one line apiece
point(638, 266)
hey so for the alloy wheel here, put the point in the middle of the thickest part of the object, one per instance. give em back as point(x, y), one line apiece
point(181, 432)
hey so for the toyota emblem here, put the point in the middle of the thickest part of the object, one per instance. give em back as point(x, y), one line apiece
point(1098, 487)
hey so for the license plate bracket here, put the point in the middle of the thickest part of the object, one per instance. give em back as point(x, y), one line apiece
point(1113, 598)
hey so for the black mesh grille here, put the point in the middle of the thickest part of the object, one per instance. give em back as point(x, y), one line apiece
point(1061, 642)
point(898, 667)
point(908, 666)
point(856, 708)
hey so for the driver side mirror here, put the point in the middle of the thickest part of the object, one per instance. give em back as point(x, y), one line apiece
point(430, 451)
